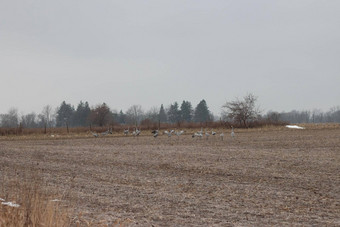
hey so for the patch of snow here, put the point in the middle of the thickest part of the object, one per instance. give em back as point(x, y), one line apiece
point(1, 199)
point(10, 204)
point(55, 200)
point(294, 126)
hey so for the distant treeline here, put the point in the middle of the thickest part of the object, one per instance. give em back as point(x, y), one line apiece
point(315, 116)
point(66, 115)
point(240, 113)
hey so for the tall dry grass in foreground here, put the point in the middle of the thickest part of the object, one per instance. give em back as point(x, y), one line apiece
point(30, 206)
point(28, 203)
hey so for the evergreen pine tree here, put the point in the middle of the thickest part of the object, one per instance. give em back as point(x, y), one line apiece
point(162, 115)
point(81, 115)
point(202, 113)
point(121, 117)
point(64, 115)
point(186, 111)
point(174, 114)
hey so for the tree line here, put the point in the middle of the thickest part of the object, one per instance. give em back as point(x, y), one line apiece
point(243, 112)
point(306, 116)
point(66, 115)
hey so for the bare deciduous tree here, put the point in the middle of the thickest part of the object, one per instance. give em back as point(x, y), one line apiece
point(101, 115)
point(29, 120)
point(11, 119)
point(134, 114)
point(46, 117)
point(242, 111)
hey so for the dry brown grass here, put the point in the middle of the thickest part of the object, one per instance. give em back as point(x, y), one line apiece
point(36, 207)
point(31, 204)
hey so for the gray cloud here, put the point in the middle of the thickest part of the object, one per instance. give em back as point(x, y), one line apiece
point(154, 52)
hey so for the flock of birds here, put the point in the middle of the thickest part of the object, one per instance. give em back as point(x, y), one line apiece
point(200, 134)
point(109, 131)
point(169, 133)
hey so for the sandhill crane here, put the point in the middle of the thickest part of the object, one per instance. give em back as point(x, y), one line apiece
point(232, 132)
point(94, 134)
point(155, 133)
point(206, 134)
point(169, 133)
point(179, 133)
point(126, 131)
point(109, 131)
point(197, 134)
point(138, 131)
point(222, 136)
point(104, 133)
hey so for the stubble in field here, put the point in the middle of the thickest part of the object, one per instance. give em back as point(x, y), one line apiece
point(272, 176)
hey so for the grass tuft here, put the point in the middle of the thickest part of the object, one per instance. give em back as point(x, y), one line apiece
point(34, 206)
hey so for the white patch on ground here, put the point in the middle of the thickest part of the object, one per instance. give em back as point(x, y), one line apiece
point(294, 126)
point(1, 199)
point(55, 200)
point(10, 204)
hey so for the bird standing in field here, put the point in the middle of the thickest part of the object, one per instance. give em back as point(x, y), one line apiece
point(138, 131)
point(232, 132)
point(95, 134)
point(109, 131)
point(155, 133)
point(178, 133)
point(206, 134)
point(222, 135)
point(126, 131)
point(197, 135)
point(169, 133)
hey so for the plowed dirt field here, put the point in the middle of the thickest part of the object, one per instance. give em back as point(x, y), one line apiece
point(261, 177)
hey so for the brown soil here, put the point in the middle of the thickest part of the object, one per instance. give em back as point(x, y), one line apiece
point(261, 177)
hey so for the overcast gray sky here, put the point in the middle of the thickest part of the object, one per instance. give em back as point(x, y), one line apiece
point(157, 52)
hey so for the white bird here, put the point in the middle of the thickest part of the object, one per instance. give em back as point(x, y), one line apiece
point(232, 132)
point(179, 133)
point(206, 134)
point(197, 134)
point(155, 133)
point(213, 133)
point(169, 133)
point(138, 131)
point(126, 131)
point(222, 135)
